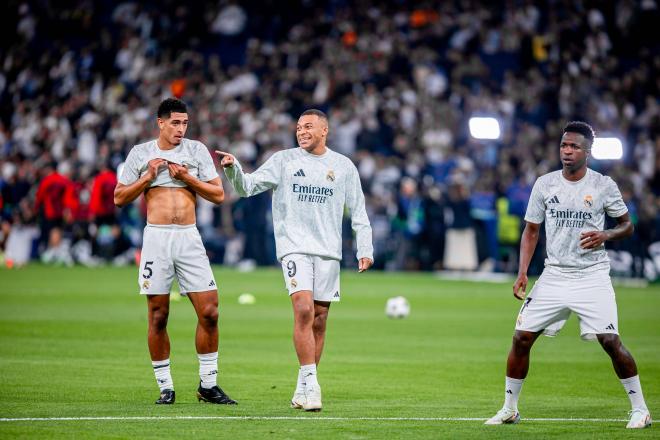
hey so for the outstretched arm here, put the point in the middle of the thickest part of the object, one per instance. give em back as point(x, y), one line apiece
point(266, 177)
point(528, 241)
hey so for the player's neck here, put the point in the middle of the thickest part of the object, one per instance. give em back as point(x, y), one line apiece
point(574, 175)
point(319, 150)
point(164, 144)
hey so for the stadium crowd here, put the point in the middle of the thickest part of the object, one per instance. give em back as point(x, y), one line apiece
point(79, 85)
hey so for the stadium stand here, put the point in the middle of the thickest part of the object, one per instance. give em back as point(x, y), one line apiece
point(79, 83)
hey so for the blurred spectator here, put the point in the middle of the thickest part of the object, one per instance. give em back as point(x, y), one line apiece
point(432, 241)
point(409, 224)
point(461, 245)
point(54, 200)
point(101, 205)
point(58, 250)
point(14, 187)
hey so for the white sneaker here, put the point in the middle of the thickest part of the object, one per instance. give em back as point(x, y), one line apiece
point(298, 400)
point(504, 416)
point(639, 418)
point(312, 398)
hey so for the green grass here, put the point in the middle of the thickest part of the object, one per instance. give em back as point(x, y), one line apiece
point(73, 344)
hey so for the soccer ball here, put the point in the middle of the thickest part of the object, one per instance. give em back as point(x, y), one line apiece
point(397, 307)
point(246, 299)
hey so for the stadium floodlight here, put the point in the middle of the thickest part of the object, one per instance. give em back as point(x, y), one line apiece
point(484, 128)
point(607, 148)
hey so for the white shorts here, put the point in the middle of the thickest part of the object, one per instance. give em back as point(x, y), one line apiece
point(174, 250)
point(319, 275)
point(555, 296)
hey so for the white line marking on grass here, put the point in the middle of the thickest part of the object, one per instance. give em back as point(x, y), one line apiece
point(378, 419)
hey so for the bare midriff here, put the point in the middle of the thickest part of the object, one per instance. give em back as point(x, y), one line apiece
point(170, 206)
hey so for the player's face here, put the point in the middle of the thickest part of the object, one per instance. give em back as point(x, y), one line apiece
point(311, 132)
point(173, 128)
point(573, 151)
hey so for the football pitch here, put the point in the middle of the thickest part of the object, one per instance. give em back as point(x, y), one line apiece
point(74, 362)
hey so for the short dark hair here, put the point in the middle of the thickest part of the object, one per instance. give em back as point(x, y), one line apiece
point(170, 105)
point(582, 128)
point(315, 112)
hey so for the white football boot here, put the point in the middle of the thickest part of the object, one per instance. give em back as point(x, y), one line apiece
point(298, 400)
point(504, 416)
point(312, 398)
point(639, 418)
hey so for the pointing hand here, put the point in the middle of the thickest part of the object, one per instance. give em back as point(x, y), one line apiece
point(226, 160)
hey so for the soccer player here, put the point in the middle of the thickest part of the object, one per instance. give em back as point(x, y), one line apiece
point(171, 171)
point(573, 203)
point(311, 186)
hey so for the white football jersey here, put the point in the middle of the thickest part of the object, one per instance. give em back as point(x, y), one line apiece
point(309, 196)
point(191, 154)
point(570, 208)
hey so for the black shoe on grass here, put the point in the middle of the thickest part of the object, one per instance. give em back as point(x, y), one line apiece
point(166, 397)
point(214, 395)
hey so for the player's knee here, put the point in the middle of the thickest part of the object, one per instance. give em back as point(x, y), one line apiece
point(610, 342)
point(209, 315)
point(319, 324)
point(159, 318)
point(320, 319)
point(523, 341)
point(304, 313)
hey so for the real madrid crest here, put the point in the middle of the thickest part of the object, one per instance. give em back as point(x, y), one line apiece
point(330, 176)
point(146, 284)
point(294, 283)
point(588, 201)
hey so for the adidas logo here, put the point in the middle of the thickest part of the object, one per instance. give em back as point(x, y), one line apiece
point(336, 294)
point(632, 392)
point(554, 200)
point(610, 327)
point(299, 173)
point(509, 392)
point(212, 283)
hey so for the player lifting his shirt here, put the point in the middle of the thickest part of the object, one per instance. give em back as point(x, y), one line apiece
point(172, 171)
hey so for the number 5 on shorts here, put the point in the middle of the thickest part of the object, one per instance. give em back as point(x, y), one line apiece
point(147, 272)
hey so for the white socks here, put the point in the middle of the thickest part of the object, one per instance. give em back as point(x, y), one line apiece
point(300, 385)
point(308, 373)
point(634, 391)
point(512, 389)
point(631, 385)
point(208, 369)
point(162, 373)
